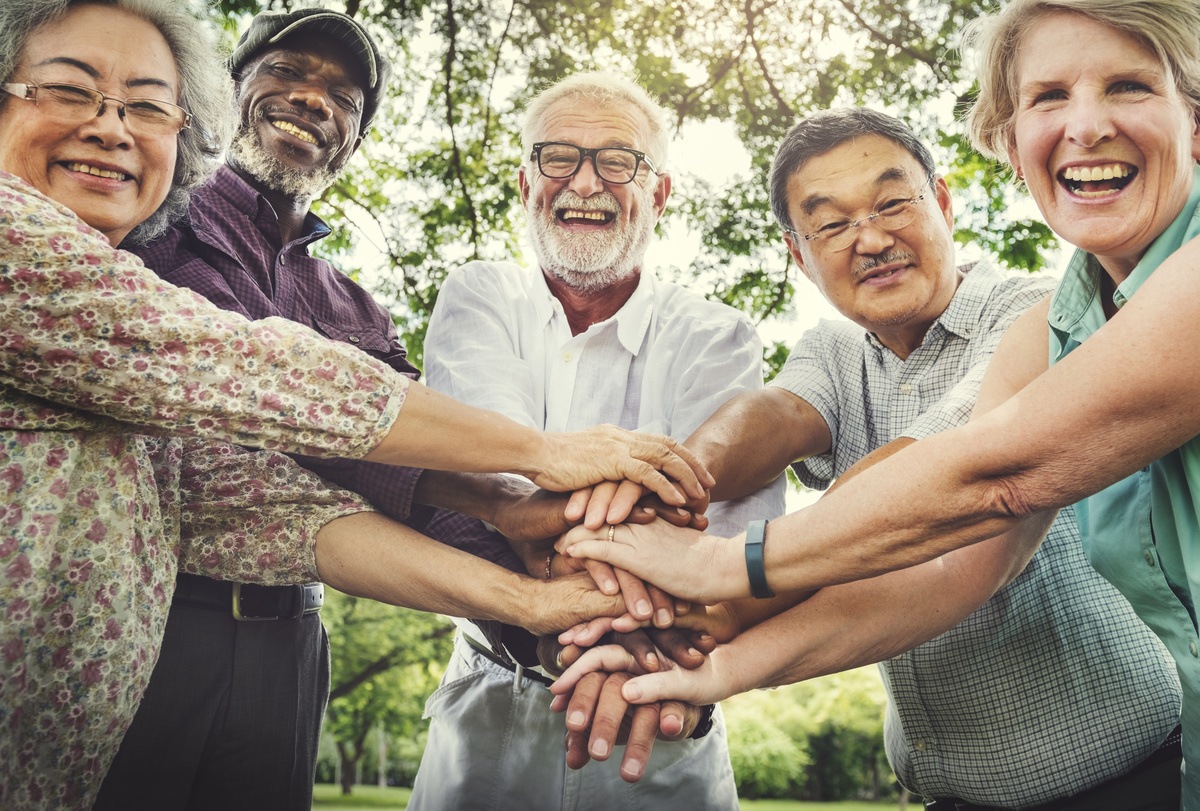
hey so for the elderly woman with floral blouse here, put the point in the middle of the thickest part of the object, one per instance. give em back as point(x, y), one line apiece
point(110, 112)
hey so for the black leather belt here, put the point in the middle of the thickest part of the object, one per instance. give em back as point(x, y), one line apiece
point(247, 602)
point(489, 654)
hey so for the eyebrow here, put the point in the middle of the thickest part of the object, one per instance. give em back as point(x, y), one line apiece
point(890, 175)
point(95, 74)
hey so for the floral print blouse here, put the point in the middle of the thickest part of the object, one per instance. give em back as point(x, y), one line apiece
point(99, 506)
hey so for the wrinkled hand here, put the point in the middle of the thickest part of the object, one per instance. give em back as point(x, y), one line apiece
point(682, 561)
point(643, 602)
point(615, 503)
point(571, 461)
point(702, 626)
point(564, 601)
point(532, 515)
point(598, 716)
point(709, 683)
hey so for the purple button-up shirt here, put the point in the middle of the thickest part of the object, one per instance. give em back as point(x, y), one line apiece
point(230, 250)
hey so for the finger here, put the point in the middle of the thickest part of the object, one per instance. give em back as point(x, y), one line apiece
point(609, 713)
point(664, 606)
point(604, 658)
point(577, 755)
point(674, 515)
point(637, 597)
point(639, 646)
point(682, 465)
point(643, 729)
point(603, 575)
point(671, 683)
point(569, 655)
point(588, 633)
point(677, 646)
point(627, 624)
point(597, 507)
point(648, 475)
point(624, 499)
point(581, 707)
point(699, 521)
point(677, 720)
point(641, 515)
point(577, 505)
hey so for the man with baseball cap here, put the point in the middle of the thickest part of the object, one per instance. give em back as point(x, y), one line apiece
point(232, 715)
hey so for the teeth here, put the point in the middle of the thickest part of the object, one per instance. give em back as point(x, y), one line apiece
point(1085, 174)
point(292, 129)
point(92, 170)
point(576, 214)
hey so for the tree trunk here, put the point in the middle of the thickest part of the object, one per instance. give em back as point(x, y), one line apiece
point(382, 780)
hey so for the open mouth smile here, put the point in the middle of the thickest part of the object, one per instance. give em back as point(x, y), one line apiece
point(1090, 182)
point(293, 130)
point(96, 171)
point(570, 216)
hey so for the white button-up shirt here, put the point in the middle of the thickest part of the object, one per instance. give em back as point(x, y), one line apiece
point(499, 339)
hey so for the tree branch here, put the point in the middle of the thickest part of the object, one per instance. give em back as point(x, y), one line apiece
point(455, 152)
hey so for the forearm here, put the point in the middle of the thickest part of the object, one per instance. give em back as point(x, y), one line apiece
point(750, 440)
point(868, 621)
point(434, 431)
point(370, 556)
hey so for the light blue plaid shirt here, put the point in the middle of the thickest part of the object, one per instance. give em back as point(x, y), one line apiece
point(1051, 687)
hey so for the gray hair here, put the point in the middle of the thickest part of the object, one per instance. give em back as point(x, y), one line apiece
point(205, 87)
point(1169, 28)
point(827, 130)
point(598, 89)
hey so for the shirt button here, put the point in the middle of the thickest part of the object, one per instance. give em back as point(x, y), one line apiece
point(1149, 558)
point(905, 388)
point(1193, 650)
point(282, 259)
point(920, 744)
point(353, 339)
point(567, 357)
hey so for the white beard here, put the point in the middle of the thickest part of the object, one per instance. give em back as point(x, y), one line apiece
point(254, 159)
point(590, 261)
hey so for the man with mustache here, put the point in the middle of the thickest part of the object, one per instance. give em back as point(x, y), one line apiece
point(1046, 693)
point(587, 336)
point(233, 712)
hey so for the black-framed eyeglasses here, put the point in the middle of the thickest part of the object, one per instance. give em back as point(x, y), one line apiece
point(614, 164)
point(892, 215)
point(76, 104)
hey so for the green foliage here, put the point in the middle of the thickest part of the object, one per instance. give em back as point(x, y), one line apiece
point(819, 740)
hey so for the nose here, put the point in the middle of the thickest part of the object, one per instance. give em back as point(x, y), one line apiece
point(312, 97)
point(586, 181)
point(108, 126)
point(1089, 122)
point(871, 239)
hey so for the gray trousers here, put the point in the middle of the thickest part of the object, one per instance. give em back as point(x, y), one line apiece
point(231, 718)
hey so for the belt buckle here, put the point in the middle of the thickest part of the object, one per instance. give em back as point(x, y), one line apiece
point(240, 616)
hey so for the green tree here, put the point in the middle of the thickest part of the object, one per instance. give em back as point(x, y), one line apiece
point(437, 186)
point(385, 661)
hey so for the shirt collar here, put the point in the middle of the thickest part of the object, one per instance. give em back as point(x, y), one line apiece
point(249, 201)
point(632, 321)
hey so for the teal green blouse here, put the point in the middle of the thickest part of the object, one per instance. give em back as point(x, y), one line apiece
point(1142, 533)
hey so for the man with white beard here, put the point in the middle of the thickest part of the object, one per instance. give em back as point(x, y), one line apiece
point(589, 336)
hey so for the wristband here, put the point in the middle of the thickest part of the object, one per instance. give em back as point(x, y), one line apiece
point(756, 535)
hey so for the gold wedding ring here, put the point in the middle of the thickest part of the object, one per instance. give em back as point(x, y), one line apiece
point(612, 530)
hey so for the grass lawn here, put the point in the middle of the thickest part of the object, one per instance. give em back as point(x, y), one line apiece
point(329, 798)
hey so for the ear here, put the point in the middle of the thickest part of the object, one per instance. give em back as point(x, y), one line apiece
point(1196, 137)
point(523, 185)
point(945, 201)
point(661, 192)
point(1014, 159)
point(793, 246)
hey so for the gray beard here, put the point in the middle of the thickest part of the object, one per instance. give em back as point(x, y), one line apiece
point(589, 262)
point(248, 153)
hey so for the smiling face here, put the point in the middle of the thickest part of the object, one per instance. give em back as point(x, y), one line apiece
point(97, 168)
point(892, 283)
point(585, 231)
point(1102, 137)
point(301, 106)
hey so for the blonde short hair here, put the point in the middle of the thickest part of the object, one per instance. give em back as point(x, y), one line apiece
point(1169, 28)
